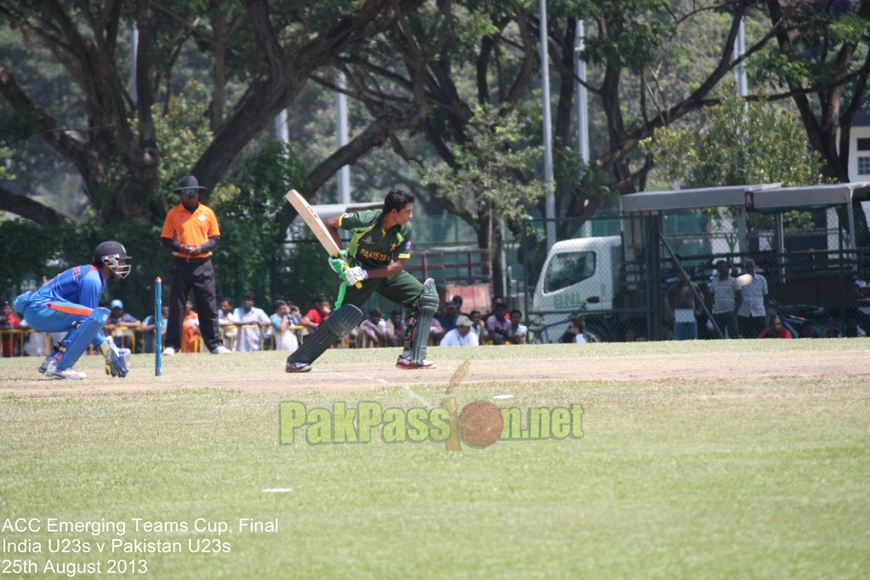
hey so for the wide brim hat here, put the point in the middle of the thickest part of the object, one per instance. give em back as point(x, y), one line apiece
point(188, 182)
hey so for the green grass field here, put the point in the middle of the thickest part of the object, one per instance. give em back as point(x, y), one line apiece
point(757, 473)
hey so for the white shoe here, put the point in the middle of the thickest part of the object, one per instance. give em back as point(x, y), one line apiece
point(221, 350)
point(405, 363)
point(297, 367)
point(69, 374)
point(169, 351)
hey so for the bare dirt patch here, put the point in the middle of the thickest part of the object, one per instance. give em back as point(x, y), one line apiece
point(256, 373)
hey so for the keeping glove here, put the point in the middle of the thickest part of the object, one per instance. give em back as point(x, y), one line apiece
point(337, 264)
point(116, 359)
point(355, 275)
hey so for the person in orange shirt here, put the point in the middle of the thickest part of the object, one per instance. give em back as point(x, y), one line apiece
point(191, 232)
point(190, 328)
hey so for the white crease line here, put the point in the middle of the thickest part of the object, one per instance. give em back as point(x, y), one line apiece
point(416, 396)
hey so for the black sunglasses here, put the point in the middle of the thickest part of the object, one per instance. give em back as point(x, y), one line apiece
point(191, 191)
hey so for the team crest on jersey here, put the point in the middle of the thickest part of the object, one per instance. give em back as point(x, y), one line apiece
point(367, 240)
point(407, 245)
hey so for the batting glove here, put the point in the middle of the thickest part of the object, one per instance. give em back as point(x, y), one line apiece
point(355, 275)
point(116, 359)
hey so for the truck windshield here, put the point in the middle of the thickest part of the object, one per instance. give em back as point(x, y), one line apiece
point(566, 269)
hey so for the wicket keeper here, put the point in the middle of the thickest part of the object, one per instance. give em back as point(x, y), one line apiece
point(69, 302)
point(376, 256)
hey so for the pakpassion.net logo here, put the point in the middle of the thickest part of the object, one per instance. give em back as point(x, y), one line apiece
point(479, 424)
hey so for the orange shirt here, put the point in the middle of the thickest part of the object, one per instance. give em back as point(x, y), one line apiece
point(190, 228)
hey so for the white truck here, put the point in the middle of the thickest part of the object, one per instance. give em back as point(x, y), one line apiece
point(579, 276)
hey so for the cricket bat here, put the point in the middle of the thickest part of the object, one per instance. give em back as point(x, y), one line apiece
point(313, 221)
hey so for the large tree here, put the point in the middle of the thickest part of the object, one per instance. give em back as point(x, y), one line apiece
point(117, 153)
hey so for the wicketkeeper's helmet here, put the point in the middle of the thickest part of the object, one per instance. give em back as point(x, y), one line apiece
point(110, 253)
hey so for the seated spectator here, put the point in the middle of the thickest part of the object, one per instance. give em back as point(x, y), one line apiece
point(282, 320)
point(458, 301)
point(121, 325)
point(448, 319)
point(148, 327)
point(852, 329)
point(227, 323)
point(250, 339)
point(462, 335)
point(498, 325)
point(436, 332)
point(319, 312)
point(808, 330)
point(575, 333)
point(478, 326)
point(375, 328)
point(775, 330)
point(8, 321)
point(517, 333)
point(189, 328)
point(396, 329)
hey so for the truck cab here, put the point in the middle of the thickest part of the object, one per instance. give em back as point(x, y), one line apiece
point(580, 276)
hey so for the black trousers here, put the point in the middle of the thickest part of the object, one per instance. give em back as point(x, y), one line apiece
point(196, 275)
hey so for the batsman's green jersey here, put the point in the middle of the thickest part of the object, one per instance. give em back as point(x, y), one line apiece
point(372, 247)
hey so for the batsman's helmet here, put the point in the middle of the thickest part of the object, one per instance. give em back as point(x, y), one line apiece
point(110, 253)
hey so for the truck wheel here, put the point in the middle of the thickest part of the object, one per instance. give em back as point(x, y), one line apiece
point(594, 334)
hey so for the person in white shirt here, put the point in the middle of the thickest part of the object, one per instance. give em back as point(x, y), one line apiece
point(250, 339)
point(227, 323)
point(752, 316)
point(282, 320)
point(461, 335)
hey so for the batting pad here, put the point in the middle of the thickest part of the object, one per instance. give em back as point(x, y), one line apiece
point(77, 341)
point(342, 320)
point(428, 305)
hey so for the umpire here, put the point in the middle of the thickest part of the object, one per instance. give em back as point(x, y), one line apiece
point(191, 231)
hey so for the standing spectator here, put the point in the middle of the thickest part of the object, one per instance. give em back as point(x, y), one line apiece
point(375, 329)
point(121, 324)
point(448, 319)
point(8, 321)
point(517, 333)
point(775, 330)
point(498, 325)
point(227, 323)
point(683, 306)
point(282, 320)
point(752, 315)
point(396, 329)
point(250, 339)
point(191, 231)
point(862, 294)
point(148, 329)
point(462, 335)
point(727, 299)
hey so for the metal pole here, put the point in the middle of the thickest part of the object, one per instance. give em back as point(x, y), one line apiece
point(158, 327)
point(342, 136)
point(582, 110)
point(134, 49)
point(739, 71)
point(282, 133)
point(550, 202)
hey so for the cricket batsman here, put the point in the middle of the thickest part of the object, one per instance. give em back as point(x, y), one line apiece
point(69, 303)
point(375, 258)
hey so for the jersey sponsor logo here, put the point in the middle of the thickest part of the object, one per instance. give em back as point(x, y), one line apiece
point(201, 217)
point(407, 246)
point(376, 256)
